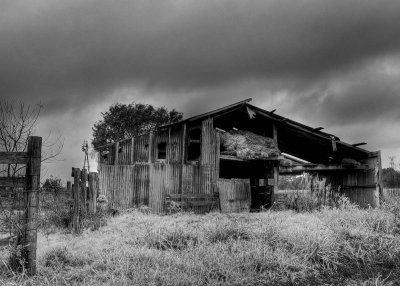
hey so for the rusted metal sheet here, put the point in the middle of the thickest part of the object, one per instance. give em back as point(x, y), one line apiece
point(125, 186)
point(124, 152)
point(141, 182)
point(138, 162)
point(187, 178)
point(174, 148)
point(234, 195)
point(210, 153)
point(157, 187)
point(207, 142)
point(172, 178)
point(141, 148)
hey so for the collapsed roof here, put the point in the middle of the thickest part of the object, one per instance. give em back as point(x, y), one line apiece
point(294, 138)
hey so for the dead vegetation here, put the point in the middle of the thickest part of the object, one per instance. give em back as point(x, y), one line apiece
point(344, 245)
point(247, 145)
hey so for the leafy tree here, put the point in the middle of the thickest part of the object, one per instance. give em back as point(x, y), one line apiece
point(124, 121)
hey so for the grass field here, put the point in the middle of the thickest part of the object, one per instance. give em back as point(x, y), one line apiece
point(343, 246)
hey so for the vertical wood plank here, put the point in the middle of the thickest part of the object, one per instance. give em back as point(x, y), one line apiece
point(32, 202)
point(151, 135)
point(234, 195)
point(116, 153)
point(92, 193)
point(77, 199)
point(84, 192)
point(132, 150)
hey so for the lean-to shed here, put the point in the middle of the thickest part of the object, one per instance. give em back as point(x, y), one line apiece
point(228, 159)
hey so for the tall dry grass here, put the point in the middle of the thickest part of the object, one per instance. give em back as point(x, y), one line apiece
point(314, 194)
point(339, 246)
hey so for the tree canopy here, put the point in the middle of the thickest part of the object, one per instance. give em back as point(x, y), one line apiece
point(122, 121)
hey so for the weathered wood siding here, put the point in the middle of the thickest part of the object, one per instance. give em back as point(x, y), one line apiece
point(124, 152)
point(135, 175)
point(363, 187)
point(234, 195)
point(175, 146)
point(141, 148)
point(125, 186)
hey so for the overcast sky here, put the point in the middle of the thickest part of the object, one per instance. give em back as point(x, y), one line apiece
point(324, 63)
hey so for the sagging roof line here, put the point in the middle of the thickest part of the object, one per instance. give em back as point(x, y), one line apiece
point(213, 112)
point(269, 114)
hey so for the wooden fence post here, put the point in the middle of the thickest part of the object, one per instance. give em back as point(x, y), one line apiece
point(84, 190)
point(92, 192)
point(76, 191)
point(29, 238)
point(68, 185)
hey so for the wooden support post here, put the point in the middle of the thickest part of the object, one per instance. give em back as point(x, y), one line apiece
point(183, 159)
point(116, 153)
point(92, 196)
point(29, 238)
point(276, 164)
point(84, 190)
point(68, 185)
point(97, 186)
point(276, 181)
point(132, 150)
point(76, 190)
point(150, 146)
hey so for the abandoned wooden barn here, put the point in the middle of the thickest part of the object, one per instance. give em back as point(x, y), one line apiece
point(229, 159)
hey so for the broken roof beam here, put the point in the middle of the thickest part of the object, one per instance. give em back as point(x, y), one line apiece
point(318, 129)
point(307, 168)
point(234, 158)
point(295, 159)
point(359, 144)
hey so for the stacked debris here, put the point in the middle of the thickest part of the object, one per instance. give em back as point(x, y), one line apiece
point(249, 146)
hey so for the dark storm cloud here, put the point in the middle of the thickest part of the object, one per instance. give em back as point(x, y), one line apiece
point(68, 53)
point(367, 94)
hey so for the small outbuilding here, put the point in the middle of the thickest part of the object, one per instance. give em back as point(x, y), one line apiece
point(230, 159)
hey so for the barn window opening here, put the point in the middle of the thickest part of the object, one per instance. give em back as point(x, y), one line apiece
point(194, 144)
point(162, 150)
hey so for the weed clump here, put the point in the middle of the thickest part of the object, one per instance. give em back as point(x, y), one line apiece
point(57, 258)
point(175, 240)
point(228, 232)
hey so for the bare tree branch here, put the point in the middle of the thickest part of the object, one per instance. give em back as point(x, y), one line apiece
point(17, 123)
